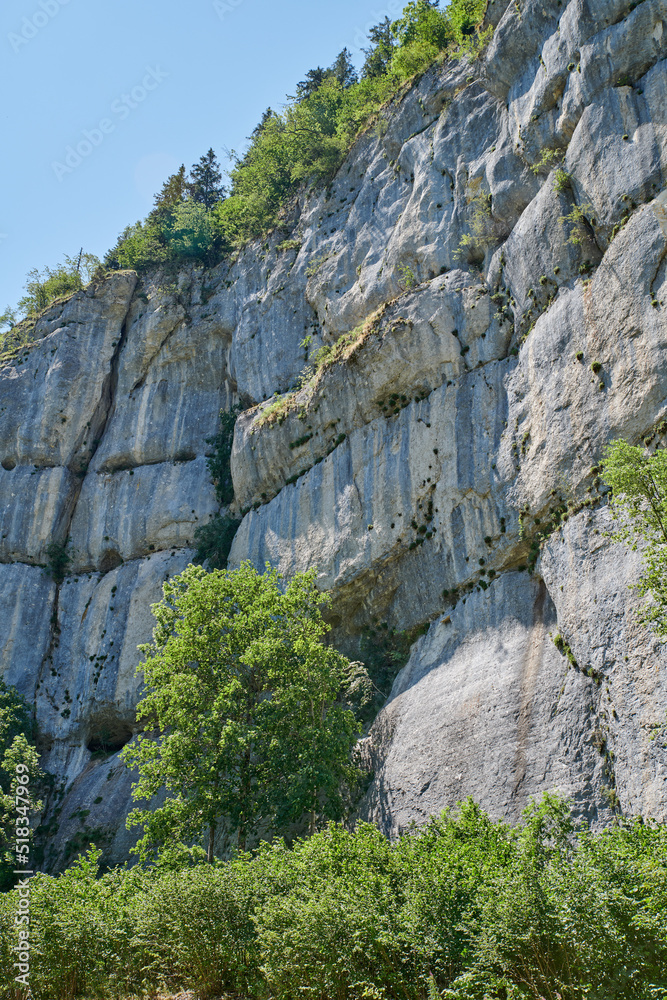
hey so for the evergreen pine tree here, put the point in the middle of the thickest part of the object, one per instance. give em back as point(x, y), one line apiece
point(174, 191)
point(204, 186)
point(343, 70)
point(314, 80)
point(378, 56)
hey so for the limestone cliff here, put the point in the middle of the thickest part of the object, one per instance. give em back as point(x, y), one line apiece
point(501, 230)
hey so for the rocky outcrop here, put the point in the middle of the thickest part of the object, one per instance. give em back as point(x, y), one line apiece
point(487, 272)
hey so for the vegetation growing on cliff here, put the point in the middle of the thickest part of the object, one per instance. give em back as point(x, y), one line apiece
point(196, 219)
point(42, 288)
point(639, 500)
point(464, 908)
point(305, 143)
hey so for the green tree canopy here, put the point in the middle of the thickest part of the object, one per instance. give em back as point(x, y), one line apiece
point(174, 191)
point(639, 499)
point(342, 70)
point(379, 53)
point(423, 21)
point(243, 730)
point(190, 230)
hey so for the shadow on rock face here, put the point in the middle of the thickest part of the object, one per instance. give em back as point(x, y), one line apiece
point(108, 732)
point(110, 560)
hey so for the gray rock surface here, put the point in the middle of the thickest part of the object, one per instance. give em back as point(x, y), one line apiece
point(486, 707)
point(504, 217)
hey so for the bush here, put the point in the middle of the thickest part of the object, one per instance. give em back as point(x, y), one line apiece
point(58, 560)
point(194, 928)
point(139, 246)
point(214, 540)
point(190, 231)
point(44, 287)
point(413, 57)
point(462, 908)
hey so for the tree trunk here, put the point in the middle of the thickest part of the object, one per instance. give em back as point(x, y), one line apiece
point(211, 840)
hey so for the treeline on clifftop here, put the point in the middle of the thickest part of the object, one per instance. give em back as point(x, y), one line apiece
point(462, 908)
point(303, 144)
point(196, 219)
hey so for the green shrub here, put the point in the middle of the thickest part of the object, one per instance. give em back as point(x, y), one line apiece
point(412, 58)
point(464, 908)
point(42, 288)
point(194, 928)
point(190, 231)
point(138, 246)
point(81, 937)
point(58, 560)
point(214, 540)
point(219, 462)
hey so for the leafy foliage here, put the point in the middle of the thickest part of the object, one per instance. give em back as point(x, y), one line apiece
point(219, 462)
point(464, 908)
point(59, 559)
point(43, 288)
point(214, 540)
point(242, 694)
point(304, 144)
point(639, 499)
point(342, 71)
point(16, 748)
point(378, 55)
point(423, 21)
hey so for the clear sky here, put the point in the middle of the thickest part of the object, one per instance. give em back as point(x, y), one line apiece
point(153, 83)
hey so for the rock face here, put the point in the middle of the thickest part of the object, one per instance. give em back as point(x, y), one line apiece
point(489, 272)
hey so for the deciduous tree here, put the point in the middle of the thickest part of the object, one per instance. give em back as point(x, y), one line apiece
point(243, 730)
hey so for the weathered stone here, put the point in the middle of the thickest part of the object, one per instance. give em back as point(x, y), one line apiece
point(486, 707)
point(124, 515)
point(27, 598)
point(54, 399)
point(590, 582)
point(417, 487)
point(172, 383)
point(35, 509)
point(91, 669)
point(425, 338)
point(561, 413)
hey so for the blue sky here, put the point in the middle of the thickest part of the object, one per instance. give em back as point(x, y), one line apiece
point(138, 87)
